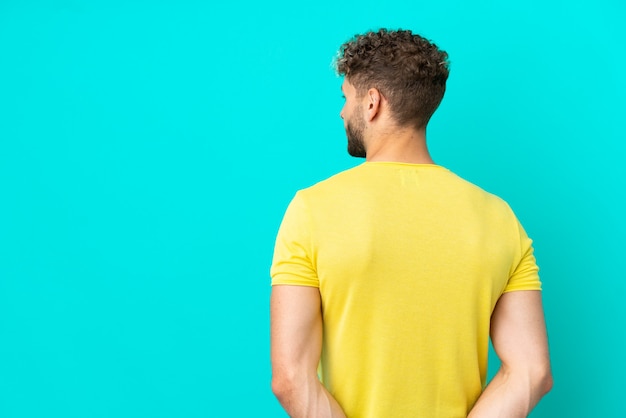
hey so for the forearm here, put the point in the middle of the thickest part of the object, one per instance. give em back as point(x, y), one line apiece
point(307, 398)
point(511, 395)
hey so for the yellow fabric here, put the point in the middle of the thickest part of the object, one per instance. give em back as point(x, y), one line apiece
point(410, 260)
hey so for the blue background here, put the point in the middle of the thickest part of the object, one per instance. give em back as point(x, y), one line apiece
point(148, 151)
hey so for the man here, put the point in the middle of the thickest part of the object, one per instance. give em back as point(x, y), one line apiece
point(389, 278)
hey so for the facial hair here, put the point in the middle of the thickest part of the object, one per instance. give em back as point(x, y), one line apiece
point(354, 132)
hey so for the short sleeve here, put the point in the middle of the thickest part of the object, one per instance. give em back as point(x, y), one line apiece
point(525, 274)
point(292, 262)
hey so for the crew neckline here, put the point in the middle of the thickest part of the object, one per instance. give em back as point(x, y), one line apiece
point(398, 163)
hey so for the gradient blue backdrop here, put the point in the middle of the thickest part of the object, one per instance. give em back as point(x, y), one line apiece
point(148, 151)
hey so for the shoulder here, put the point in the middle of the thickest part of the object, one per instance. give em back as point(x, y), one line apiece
point(488, 201)
point(335, 183)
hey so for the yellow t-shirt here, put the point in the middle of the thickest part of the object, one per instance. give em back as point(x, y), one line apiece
point(410, 261)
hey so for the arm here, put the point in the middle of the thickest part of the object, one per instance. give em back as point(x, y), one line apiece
point(518, 334)
point(296, 346)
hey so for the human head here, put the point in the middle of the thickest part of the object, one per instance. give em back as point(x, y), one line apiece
point(407, 69)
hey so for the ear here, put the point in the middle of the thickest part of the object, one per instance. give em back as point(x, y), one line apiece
point(373, 98)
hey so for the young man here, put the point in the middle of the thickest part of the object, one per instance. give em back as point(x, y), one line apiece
point(389, 278)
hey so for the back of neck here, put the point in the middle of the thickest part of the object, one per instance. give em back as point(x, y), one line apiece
point(403, 146)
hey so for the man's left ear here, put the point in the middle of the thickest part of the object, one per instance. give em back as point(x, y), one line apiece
point(373, 103)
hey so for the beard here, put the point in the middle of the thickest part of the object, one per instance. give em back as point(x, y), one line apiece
point(354, 132)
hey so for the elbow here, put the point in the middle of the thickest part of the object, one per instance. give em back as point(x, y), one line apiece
point(282, 386)
point(279, 387)
point(540, 380)
point(545, 382)
point(292, 386)
point(536, 379)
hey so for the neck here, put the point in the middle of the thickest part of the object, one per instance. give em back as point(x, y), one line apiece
point(400, 145)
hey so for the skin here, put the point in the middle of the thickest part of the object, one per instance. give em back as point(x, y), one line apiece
point(296, 346)
point(518, 335)
point(383, 139)
point(518, 330)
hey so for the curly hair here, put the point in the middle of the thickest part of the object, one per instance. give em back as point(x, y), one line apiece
point(407, 69)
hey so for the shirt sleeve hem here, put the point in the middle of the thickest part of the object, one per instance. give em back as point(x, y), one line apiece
point(292, 283)
point(517, 288)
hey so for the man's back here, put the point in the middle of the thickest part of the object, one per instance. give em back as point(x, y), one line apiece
point(410, 261)
point(392, 276)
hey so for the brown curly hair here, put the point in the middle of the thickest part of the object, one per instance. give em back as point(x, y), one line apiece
point(407, 69)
